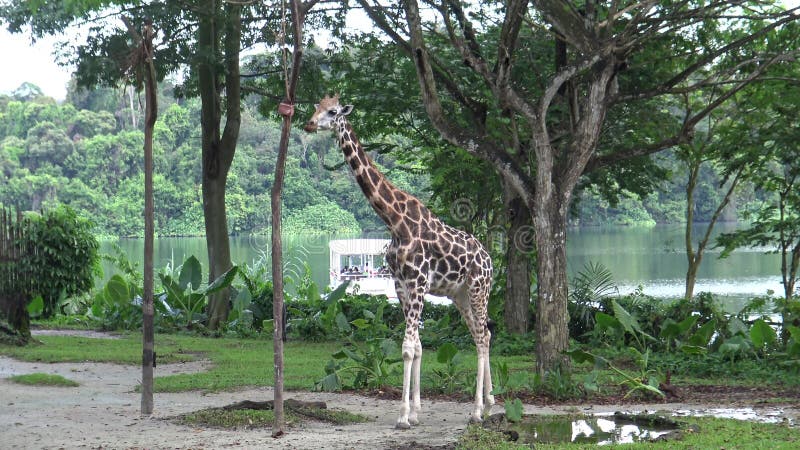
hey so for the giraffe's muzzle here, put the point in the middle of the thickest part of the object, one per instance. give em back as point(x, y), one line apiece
point(311, 126)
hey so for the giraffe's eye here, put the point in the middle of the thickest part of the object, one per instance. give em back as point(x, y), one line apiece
point(332, 112)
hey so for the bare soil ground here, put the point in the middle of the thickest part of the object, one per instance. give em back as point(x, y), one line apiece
point(103, 412)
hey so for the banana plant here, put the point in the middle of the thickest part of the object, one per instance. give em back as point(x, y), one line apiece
point(185, 296)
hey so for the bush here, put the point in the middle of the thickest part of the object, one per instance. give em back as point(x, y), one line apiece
point(65, 258)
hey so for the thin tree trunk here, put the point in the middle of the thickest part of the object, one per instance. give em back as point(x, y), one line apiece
point(151, 113)
point(519, 246)
point(287, 110)
point(693, 263)
point(695, 257)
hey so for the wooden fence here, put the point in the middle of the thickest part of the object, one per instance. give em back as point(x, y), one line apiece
point(16, 285)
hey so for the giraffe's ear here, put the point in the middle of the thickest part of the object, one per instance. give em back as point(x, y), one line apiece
point(347, 109)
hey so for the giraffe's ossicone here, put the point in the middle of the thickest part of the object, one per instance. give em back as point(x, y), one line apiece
point(425, 256)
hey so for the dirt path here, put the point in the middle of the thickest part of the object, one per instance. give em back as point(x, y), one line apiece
point(103, 412)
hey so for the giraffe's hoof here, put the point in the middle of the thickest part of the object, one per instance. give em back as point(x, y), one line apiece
point(400, 425)
point(475, 420)
point(413, 421)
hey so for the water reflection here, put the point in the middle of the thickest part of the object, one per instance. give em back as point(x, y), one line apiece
point(649, 257)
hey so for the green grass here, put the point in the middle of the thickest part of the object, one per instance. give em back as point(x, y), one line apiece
point(235, 363)
point(43, 379)
point(236, 419)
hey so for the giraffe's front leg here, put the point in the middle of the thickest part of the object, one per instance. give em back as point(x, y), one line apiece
point(416, 406)
point(403, 422)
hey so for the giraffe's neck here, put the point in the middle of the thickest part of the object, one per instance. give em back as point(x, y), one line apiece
point(382, 195)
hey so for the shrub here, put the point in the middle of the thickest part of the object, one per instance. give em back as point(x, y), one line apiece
point(65, 258)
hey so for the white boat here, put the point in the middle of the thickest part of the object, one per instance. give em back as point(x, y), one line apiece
point(363, 263)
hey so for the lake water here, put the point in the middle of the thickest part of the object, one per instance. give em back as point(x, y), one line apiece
point(653, 258)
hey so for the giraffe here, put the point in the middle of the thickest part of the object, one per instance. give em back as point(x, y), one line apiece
point(425, 255)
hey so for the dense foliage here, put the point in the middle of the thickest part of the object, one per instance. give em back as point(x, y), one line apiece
point(86, 153)
point(63, 258)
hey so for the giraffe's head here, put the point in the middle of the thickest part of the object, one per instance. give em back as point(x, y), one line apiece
point(328, 110)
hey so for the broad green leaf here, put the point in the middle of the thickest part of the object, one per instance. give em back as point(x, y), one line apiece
point(625, 318)
point(36, 306)
point(330, 383)
point(338, 293)
point(736, 326)
point(360, 324)
point(703, 335)
point(242, 300)
point(735, 344)
point(222, 281)
point(579, 356)
point(175, 295)
point(339, 355)
point(446, 353)
point(191, 274)
point(342, 323)
point(606, 322)
point(353, 355)
point(762, 334)
point(116, 290)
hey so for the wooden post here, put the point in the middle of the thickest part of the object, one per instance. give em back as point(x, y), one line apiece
point(143, 59)
point(286, 109)
point(151, 112)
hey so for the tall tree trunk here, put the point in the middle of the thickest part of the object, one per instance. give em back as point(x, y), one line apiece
point(552, 318)
point(151, 113)
point(217, 25)
point(519, 246)
point(692, 259)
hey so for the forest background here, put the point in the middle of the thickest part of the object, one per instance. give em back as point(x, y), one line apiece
point(85, 152)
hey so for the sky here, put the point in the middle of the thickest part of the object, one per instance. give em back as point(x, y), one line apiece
point(33, 63)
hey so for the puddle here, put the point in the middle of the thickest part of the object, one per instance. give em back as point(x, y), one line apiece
point(762, 415)
point(613, 429)
point(621, 428)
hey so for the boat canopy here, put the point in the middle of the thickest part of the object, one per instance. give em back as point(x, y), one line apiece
point(358, 246)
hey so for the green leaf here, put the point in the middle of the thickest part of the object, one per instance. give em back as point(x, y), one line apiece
point(514, 410)
point(342, 323)
point(735, 344)
point(331, 382)
point(762, 334)
point(673, 330)
point(606, 322)
point(36, 306)
point(242, 300)
point(388, 347)
point(627, 321)
point(693, 349)
point(222, 281)
point(702, 336)
point(361, 324)
point(175, 296)
point(191, 274)
point(338, 293)
point(579, 356)
point(446, 353)
point(116, 290)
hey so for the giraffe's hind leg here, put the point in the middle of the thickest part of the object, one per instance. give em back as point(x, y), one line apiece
point(473, 306)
